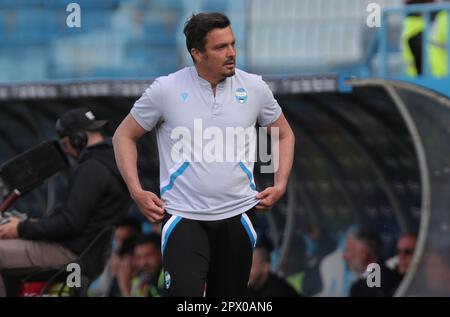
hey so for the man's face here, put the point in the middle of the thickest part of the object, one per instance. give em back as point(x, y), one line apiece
point(405, 251)
point(355, 254)
point(68, 148)
point(121, 234)
point(260, 269)
point(148, 258)
point(219, 57)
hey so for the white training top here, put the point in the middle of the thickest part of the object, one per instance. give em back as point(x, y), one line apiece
point(206, 143)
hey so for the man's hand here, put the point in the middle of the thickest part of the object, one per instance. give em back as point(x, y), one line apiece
point(124, 274)
point(114, 264)
point(150, 205)
point(286, 144)
point(9, 230)
point(269, 197)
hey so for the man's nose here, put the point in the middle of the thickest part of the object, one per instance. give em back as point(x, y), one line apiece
point(231, 52)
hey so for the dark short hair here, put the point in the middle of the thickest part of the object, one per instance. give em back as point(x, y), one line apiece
point(127, 246)
point(199, 25)
point(150, 238)
point(409, 234)
point(371, 239)
point(130, 222)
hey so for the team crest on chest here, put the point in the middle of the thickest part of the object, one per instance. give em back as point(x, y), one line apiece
point(241, 95)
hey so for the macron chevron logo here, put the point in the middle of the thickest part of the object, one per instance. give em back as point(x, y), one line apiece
point(184, 96)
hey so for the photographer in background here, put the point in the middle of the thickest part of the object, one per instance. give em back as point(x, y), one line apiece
point(97, 198)
point(412, 33)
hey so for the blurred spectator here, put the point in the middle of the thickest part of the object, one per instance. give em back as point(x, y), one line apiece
point(318, 245)
point(335, 275)
point(438, 45)
point(128, 228)
point(406, 245)
point(363, 248)
point(405, 251)
point(413, 27)
point(305, 255)
point(142, 275)
point(123, 268)
point(262, 282)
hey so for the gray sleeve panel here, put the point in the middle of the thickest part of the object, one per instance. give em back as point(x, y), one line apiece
point(270, 110)
point(147, 109)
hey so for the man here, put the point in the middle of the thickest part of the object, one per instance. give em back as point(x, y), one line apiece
point(123, 268)
point(129, 227)
point(406, 245)
point(206, 207)
point(363, 248)
point(438, 45)
point(148, 280)
point(412, 33)
point(405, 250)
point(262, 282)
point(125, 230)
point(96, 198)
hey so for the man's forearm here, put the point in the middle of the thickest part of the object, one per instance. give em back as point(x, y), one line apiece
point(286, 158)
point(124, 287)
point(126, 159)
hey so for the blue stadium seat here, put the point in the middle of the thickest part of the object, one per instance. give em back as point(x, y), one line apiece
point(98, 4)
point(33, 25)
point(2, 25)
point(93, 20)
point(214, 6)
point(172, 5)
point(158, 31)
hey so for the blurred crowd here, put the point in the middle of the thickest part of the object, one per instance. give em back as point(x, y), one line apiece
point(135, 266)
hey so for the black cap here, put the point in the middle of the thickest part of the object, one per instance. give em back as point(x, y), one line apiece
point(77, 120)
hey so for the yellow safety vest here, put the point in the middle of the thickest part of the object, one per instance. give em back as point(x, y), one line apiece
point(437, 45)
point(412, 26)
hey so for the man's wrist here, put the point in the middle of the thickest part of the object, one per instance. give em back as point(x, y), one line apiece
point(135, 191)
point(281, 186)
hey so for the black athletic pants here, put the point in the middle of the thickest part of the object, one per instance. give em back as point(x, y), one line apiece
point(211, 256)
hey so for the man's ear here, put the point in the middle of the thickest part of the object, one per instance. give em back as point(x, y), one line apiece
point(196, 54)
point(367, 254)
